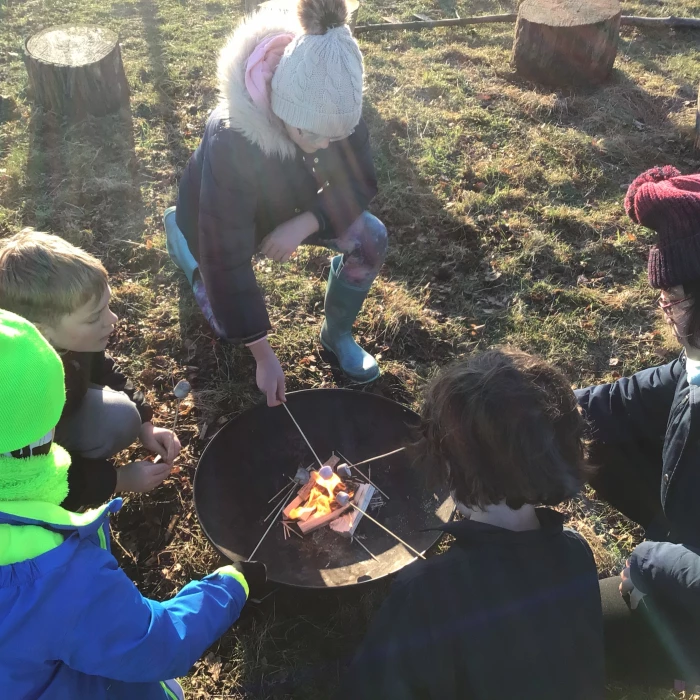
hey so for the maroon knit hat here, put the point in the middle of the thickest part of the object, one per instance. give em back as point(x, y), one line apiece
point(669, 203)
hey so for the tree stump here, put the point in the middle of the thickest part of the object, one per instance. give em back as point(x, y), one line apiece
point(76, 71)
point(566, 42)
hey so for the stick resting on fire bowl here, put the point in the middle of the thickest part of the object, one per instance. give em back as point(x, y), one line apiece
point(246, 473)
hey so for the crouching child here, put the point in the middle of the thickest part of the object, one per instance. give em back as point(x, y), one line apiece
point(72, 624)
point(65, 292)
point(512, 610)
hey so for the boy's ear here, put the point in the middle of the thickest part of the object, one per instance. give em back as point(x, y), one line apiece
point(46, 331)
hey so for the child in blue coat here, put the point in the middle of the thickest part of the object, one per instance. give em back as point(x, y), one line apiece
point(72, 624)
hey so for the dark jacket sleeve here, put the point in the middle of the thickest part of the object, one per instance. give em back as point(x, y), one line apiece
point(90, 482)
point(106, 372)
point(227, 209)
point(632, 407)
point(354, 185)
point(389, 663)
point(668, 572)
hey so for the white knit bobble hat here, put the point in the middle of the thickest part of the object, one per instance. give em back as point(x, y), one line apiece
point(317, 85)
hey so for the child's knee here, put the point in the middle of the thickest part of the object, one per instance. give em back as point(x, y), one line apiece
point(122, 424)
point(374, 237)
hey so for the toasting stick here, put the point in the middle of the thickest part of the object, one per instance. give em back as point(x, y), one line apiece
point(374, 459)
point(343, 499)
point(363, 475)
point(301, 432)
point(279, 510)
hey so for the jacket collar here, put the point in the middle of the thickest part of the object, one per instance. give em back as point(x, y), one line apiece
point(468, 532)
point(55, 517)
point(264, 130)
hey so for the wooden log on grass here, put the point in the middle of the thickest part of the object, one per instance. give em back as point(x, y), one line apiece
point(566, 42)
point(76, 70)
point(625, 21)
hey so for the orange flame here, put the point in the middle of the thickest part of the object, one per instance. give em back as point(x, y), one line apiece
point(321, 499)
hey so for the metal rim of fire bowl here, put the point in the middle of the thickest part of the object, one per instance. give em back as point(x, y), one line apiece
point(401, 513)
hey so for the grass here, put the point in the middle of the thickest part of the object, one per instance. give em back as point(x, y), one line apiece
point(504, 206)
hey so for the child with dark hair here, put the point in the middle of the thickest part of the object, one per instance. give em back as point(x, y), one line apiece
point(513, 608)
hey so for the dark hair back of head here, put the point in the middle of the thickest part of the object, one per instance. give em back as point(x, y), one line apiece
point(503, 425)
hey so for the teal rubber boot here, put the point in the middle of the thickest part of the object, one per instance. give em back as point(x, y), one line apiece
point(343, 303)
point(177, 247)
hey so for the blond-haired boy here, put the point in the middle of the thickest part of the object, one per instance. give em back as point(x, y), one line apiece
point(65, 292)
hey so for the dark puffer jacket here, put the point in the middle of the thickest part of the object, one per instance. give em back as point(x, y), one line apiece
point(503, 614)
point(660, 410)
point(247, 177)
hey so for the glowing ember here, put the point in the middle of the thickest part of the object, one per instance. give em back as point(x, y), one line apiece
point(321, 500)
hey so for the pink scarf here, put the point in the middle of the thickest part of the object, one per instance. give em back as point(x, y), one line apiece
point(261, 65)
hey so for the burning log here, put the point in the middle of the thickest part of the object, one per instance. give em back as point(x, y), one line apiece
point(347, 525)
point(313, 523)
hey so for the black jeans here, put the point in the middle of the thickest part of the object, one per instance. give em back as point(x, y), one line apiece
point(657, 643)
point(652, 645)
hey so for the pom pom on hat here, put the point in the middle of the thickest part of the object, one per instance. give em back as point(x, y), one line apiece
point(318, 16)
point(657, 174)
point(317, 85)
point(668, 203)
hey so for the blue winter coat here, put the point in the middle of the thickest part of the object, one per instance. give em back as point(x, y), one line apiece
point(659, 406)
point(73, 625)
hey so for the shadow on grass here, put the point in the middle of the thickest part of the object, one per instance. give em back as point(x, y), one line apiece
point(81, 180)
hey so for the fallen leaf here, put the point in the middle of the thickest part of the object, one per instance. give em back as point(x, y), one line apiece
point(492, 275)
point(614, 361)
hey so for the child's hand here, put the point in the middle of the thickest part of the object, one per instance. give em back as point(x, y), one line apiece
point(270, 380)
point(628, 588)
point(269, 375)
point(287, 237)
point(162, 441)
point(139, 477)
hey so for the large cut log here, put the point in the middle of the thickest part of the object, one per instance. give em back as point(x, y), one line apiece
point(76, 70)
point(307, 526)
point(566, 42)
point(347, 525)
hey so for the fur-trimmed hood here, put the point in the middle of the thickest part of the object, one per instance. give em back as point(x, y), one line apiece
point(265, 130)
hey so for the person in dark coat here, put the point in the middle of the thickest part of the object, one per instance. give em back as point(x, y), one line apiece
point(645, 443)
point(512, 610)
point(285, 160)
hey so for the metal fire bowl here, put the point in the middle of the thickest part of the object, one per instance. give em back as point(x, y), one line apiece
point(252, 456)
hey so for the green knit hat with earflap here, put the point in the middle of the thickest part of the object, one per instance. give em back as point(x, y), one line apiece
point(32, 396)
point(32, 387)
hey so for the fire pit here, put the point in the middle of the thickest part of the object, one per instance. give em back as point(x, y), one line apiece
point(253, 457)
